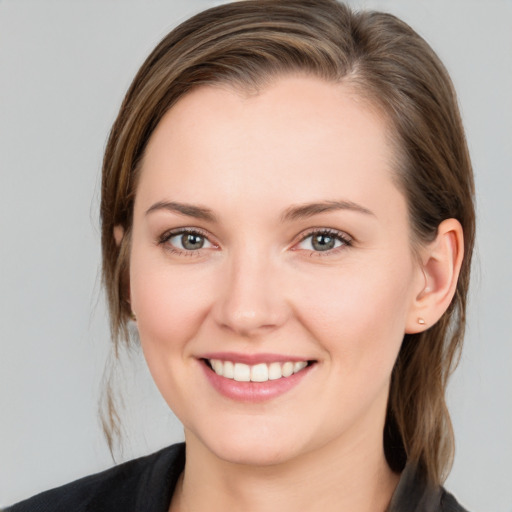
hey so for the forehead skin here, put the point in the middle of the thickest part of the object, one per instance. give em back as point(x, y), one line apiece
point(216, 139)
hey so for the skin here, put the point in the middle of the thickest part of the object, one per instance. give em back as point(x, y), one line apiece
point(257, 287)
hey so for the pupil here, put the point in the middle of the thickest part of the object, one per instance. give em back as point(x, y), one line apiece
point(323, 242)
point(191, 241)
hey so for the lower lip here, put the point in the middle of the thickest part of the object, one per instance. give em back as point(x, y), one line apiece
point(253, 391)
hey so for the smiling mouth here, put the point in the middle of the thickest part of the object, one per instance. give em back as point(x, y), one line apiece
point(261, 372)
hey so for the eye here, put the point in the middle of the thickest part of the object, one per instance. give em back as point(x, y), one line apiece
point(323, 241)
point(185, 240)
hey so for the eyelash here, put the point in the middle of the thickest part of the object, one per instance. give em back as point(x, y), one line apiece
point(346, 241)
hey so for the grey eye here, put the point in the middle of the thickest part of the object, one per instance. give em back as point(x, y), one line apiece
point(192, 241)
point(189, 241)
point(320, 242)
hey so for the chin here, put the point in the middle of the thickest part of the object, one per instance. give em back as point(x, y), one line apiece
point(250, 454)
point(252, 447)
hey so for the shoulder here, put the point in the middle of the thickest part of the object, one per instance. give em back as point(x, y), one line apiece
point(449, 503)
point(415, 493)
point(151, 478)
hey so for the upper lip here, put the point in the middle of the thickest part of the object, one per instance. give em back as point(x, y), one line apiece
point(252, 359)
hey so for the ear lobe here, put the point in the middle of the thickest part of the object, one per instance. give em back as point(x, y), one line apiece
point(441, 262)
point(118, 234)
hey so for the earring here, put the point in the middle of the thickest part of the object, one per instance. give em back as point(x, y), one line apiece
point(132, 316)
point(421, 321)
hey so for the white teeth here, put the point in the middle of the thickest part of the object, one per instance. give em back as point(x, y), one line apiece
point(259, 373)
point(256, 373)
point(297, 367)
point(287, 369)
point(217, 366)
point(242, 372)
point(229, 370)
point(274, 371)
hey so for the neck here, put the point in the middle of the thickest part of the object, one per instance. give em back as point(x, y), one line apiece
point(356, 478)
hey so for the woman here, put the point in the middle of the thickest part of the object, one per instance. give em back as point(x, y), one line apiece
point(287, 216)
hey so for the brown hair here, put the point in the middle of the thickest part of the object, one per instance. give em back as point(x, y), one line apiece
point(248, 43)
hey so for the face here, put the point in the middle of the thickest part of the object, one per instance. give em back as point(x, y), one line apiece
point(271, 269)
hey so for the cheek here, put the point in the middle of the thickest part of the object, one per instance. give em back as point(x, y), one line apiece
point(171, 304)
point(360, 313)
point(169, 301)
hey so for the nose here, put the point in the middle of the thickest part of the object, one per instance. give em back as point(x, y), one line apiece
point(252, 301)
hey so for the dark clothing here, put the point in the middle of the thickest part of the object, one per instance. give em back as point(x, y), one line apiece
point(147, 485)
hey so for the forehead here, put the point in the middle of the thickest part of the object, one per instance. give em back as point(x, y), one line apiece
point(298, 139)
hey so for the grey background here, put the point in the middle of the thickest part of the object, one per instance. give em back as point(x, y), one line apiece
point(64, 67)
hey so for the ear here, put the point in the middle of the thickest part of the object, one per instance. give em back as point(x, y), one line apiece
point(440, 264)
point(118, 234)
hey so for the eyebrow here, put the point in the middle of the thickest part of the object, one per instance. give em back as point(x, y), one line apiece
point(290, 214)
point(190, 210)
point(310, 209)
